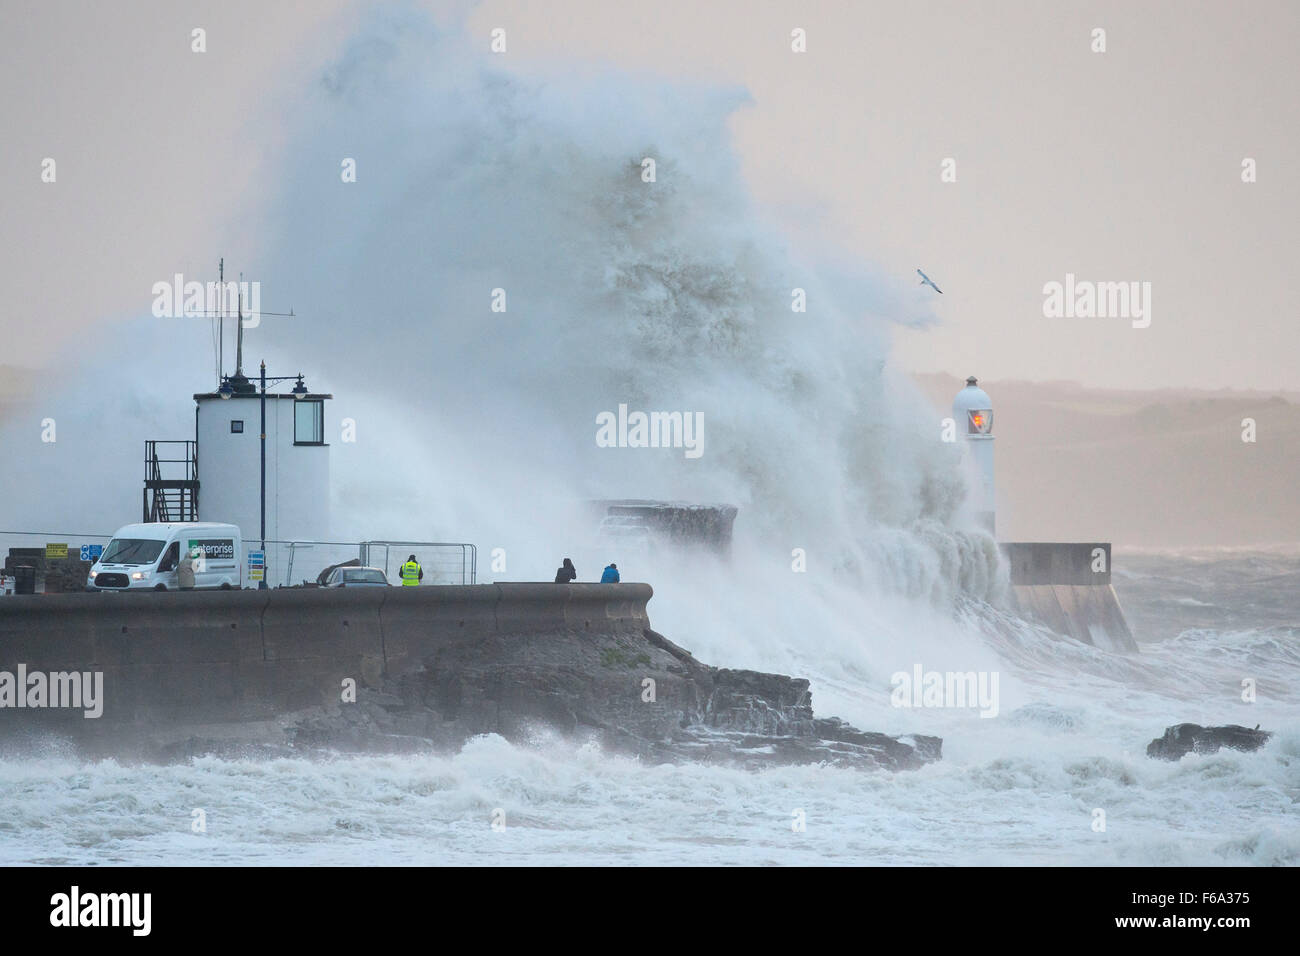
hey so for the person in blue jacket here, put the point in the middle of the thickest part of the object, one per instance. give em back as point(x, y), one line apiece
point(611, 574)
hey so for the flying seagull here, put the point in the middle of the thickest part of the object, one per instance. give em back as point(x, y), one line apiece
point(926, 280)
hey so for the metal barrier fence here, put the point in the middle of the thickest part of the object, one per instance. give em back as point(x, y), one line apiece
point(297, 562)
point(443, 562)
point(287, 563)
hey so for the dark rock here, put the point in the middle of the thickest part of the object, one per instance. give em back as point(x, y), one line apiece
point(589, 687)
point(1182, 739)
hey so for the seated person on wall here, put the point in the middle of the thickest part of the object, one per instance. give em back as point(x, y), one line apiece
point(611, 574)
point(566, 572)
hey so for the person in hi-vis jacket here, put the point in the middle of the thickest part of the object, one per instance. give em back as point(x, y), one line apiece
point(412, 573)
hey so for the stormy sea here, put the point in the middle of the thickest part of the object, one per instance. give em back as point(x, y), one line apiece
point(478, 186)
point(1019, 788)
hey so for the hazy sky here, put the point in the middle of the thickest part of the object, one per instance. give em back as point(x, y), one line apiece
point(1117, 166)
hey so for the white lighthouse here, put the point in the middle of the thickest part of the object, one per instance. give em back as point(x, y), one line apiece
point(972, 410)
point(1064, 586)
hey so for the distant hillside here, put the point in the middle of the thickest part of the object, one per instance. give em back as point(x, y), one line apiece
point(1159, 468)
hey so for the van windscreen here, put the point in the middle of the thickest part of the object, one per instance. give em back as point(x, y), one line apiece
point(132, 551)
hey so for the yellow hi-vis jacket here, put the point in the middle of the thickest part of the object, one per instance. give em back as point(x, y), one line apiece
point(410, 574)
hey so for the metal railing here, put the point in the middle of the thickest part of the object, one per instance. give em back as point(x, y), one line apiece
point(173, 496)
point(293, 562)
point(443, 562)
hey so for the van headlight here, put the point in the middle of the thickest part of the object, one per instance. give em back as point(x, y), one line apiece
point(140, 575)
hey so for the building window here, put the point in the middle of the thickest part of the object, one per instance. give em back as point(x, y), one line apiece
point(237, 427)
point(309, 423)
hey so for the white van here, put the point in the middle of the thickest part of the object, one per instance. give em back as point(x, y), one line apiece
point(147, 556)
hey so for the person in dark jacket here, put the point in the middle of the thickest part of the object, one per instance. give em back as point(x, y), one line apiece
point(611, 574)
point(566, 573)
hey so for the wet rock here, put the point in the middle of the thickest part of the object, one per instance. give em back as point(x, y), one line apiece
point(1182, 739)
point(647, 697)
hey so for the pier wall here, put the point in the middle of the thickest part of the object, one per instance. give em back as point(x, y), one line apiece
point(172, 660)
point(1066, 586)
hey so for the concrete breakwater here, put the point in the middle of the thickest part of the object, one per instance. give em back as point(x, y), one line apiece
point(1066, 586)
point(398, 669)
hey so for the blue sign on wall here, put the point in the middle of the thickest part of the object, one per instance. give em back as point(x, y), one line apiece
point(91, 552)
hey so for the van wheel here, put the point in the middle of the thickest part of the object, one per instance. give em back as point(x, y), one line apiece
point(160, 587)
point(225, 586)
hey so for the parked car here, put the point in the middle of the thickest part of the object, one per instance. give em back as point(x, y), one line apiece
point(357, 577)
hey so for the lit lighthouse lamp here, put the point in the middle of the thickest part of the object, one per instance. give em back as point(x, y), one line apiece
point(972, 410)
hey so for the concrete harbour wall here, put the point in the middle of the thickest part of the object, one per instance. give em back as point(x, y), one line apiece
point(173, 660)
point(1066, 586)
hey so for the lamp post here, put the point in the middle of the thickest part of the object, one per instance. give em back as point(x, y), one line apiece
point(227, 390)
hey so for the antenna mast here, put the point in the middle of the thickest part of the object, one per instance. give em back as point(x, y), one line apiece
point(221, 320)
point(239, 336)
